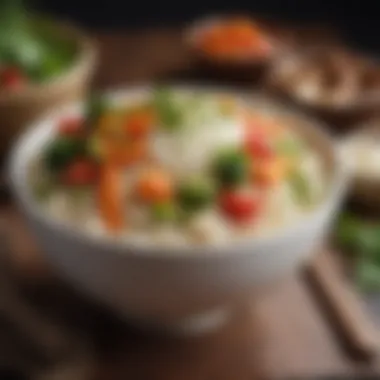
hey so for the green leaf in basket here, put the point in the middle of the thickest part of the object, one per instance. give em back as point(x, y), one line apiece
point(367, 275)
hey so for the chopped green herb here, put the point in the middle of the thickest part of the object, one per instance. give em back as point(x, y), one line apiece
point(169, 113)
point(61, 152)
point(94, 148)
point(346, 232)
point(288, 146)
point(96, 106)
point(164, 212)
point(300, 188)
point(362, 240)
point(367, 275)
point(33, 46)
point(231, 168)
point(196, 194)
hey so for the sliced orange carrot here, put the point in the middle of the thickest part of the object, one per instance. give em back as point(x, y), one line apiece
point(270, 172)
point(139, 123)
point(110, 123)
point(155, 186)
point(125, 152)
point(111, 197)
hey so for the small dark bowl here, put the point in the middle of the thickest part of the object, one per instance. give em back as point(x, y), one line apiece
point(341, 117)
point(249, 66)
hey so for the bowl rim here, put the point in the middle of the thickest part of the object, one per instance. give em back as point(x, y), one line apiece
point(85, 57)
point(17, 170)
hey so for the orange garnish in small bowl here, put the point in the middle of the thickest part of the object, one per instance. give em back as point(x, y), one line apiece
point(235, 38)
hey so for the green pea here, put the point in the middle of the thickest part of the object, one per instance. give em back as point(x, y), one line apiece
point(62, 151)
point(231, 168)
point(169, 113)
point(196, 194)
point(300, 188)
point(164, 212)
point(288, 146)
point(96, 106)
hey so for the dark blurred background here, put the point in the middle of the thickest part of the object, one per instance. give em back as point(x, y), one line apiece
point(357, 19)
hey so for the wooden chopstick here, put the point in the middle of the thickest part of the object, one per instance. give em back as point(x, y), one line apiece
point(343, 307)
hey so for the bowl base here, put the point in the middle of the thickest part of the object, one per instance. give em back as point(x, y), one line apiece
point(200, 324)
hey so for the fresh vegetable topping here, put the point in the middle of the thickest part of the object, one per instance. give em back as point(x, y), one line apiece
point(111, 197)
point(196, 194)
point(361, 239)
point(61, 152)
point(125, 152)
point(169, 113)
point(300, 187)
point(179, 159)
point(240, 206)
point(71, 127)
point(288, 146)
point(164, 212)
point(231, 168)
point(155, 186)
point(257, 146)
point(270, 172)
point(30, 50)
point(96, 107)
point(81, 172)
point(139, 123)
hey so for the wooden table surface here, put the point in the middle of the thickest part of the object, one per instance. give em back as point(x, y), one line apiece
point(280, 334)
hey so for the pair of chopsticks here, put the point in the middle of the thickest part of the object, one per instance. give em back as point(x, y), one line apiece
point(343, 307)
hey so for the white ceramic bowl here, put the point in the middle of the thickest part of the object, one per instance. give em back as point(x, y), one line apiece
point(188, 288)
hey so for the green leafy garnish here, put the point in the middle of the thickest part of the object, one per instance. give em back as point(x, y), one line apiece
point(196, 194)
point(164, 212)
point(300, 188)
point(31, 46)
point(231, 168)
point(367, 275)
point(288, 147)
point(362, 240)
point(347, 232)
point(94, 147)
point(96, 106)
point(169, 113)
point(61, 152)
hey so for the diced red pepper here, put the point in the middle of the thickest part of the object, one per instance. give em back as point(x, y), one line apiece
point(12, 78)
point(257, 146)
point(71, 127)
point(239, 206)
point(80, 173)
point(139, 123)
